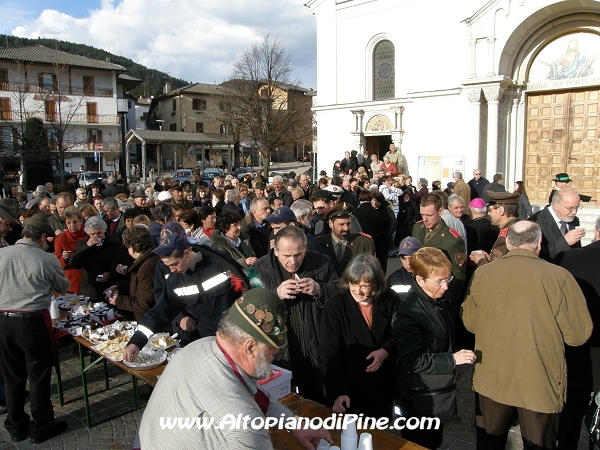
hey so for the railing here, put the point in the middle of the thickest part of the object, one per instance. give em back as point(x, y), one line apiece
point(76, 118)
point(75, 90)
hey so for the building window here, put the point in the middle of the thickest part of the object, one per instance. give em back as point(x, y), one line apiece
point(383, 71)
point(224, 128)
point(174, 105)
point(88, 86)
point(173, 126)
point(5, 111)
point(94, 137)
point(199, 104)
point(199, 127)
point(4, 80)
point(50, 111)
point(92, 112)
point(7, 138)
point(47, 83)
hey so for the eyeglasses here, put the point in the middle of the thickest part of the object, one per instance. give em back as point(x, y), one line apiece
point(570, 208)
point(441, 282)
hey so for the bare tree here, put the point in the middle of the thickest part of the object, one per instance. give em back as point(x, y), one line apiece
point(62, 111)
point(257, 101)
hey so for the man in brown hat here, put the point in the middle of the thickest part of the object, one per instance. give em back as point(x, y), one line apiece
point(503, 209)
point(340, 242)
point(25, 341)
point(249, 336)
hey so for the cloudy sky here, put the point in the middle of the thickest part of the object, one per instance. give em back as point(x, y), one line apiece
point(196, 40)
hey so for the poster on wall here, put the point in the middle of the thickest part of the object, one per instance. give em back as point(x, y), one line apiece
point(571, 60)
point(439, 168)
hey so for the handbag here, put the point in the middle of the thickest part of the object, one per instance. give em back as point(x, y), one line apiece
point(433, 395)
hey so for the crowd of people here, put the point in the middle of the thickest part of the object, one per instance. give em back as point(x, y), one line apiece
point(480, 283)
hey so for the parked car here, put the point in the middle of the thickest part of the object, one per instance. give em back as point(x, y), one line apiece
point(305, 158)
point(87, 178)
point(182, 175)
point(239, 173)
point(56, 176)
point(284, 175)
point(209, 174)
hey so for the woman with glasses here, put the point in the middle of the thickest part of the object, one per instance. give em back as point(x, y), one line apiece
point(423, 328)
point(356, 352)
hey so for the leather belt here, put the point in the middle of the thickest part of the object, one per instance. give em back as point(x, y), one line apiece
point(21, 315)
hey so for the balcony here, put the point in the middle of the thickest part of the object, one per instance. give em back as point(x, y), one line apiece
point(76, 119)
point(75, 90)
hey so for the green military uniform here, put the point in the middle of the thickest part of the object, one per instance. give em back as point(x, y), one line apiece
point(452, 244)
point(499, 248)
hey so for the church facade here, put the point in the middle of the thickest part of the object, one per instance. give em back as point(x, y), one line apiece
point(509, 86)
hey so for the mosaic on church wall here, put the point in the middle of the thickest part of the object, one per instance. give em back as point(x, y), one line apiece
point(566, 62)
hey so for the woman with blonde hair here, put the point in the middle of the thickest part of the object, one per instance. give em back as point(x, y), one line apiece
point(423, 328)
point(87, 211)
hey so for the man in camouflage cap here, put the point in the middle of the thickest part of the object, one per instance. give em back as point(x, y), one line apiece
point(248, 337)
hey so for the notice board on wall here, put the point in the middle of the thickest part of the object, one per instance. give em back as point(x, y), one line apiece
point(439, 168)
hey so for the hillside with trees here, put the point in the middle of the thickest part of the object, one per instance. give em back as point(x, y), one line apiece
point(153, 79)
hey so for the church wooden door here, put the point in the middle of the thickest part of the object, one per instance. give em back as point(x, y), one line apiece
point(562, 135)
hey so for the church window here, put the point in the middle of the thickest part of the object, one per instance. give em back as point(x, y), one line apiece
point(383, 71)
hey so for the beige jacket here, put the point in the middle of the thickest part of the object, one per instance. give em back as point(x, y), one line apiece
point(464, 190)
point(521, 309)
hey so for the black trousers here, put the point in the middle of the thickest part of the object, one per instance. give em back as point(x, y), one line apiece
point(538, 430)
point(25, 352)
point(571, 417)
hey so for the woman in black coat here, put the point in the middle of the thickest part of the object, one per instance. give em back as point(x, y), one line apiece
point(357, 354)
point(408, 214)
point(423, 330)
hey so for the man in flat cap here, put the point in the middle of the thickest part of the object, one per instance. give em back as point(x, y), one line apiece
point(432, 231)
point(340, 242)
point(179, 199)
point(194, 296)
point(562, 181)
point(323, 200)
point(249, 336)
point(139, 198)
point(26, 347)
point(560, 225)
point(503, 208)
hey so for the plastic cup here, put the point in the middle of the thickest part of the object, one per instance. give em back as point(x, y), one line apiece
point(365, 442)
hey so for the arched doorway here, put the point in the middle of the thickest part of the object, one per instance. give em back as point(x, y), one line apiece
point(378, 136)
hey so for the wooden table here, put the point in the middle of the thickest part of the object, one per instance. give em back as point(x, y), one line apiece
point(147, 376)
point(282, 440)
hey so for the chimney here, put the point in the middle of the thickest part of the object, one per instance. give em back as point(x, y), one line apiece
point(108, 60)
point(167, 87)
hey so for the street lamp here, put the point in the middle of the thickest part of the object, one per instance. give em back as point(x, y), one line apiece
point(122, 108)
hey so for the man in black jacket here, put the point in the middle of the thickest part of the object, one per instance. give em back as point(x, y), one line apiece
point(560, 225)
point(304, 281)
point(477, 184)
point(195, 294)
point(583, 373)
point(255, 227)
